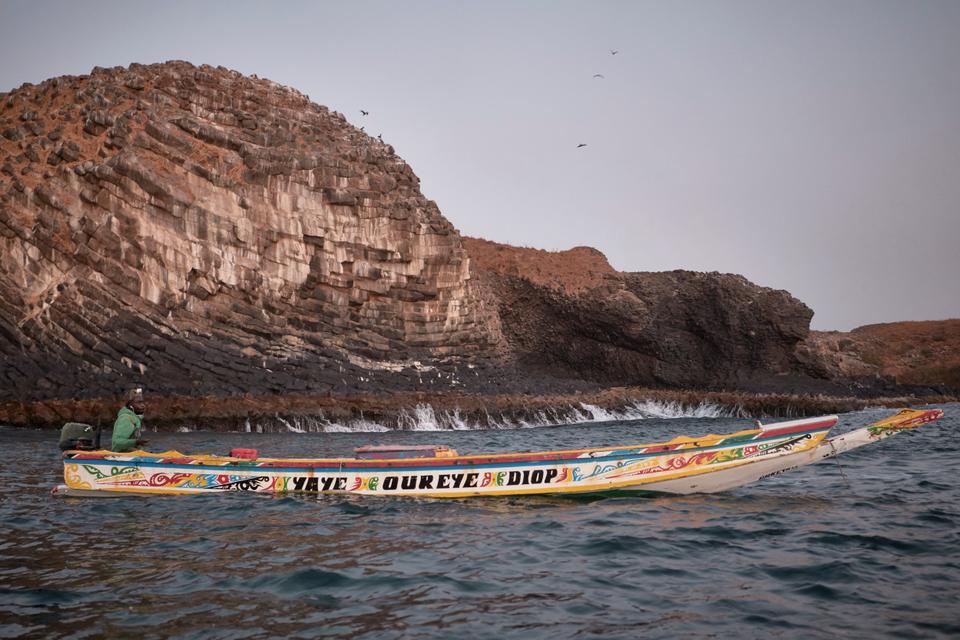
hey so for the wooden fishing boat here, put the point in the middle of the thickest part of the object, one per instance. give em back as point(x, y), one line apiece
point(684, 465)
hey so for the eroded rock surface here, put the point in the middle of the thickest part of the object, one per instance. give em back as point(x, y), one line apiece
point(209, 234)
point(214, 233)
point(924, 354)
point(571, 314)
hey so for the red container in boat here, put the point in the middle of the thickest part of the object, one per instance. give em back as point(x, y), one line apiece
point(246, 454)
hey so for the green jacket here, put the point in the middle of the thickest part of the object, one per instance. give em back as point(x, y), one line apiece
point(126, 431)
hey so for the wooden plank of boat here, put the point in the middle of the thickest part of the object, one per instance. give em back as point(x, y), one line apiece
point(702, 464)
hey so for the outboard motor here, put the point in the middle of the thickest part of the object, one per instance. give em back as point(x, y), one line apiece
point(76, 435)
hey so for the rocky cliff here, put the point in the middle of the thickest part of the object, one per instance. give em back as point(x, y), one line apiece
point(570, 314)
point(209, 232)
point(206, 234)
point(907, 353)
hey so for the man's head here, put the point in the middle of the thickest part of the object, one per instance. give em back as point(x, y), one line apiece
point(135, 401)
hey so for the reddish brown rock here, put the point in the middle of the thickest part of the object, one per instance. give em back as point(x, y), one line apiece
point(570, 315)
point(208, 232)
point(911, 353)
point(572, 272)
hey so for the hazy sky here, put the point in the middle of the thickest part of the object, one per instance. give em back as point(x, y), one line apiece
point(810, 146)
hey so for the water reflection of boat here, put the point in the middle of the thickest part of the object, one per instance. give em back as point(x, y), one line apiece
point(704, 464)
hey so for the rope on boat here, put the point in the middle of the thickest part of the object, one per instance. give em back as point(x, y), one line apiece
point(836, 457)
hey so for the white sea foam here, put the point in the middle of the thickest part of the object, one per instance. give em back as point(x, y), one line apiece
point(659, 409)
point(641, 410)
point(424, 417)
point(296, 428)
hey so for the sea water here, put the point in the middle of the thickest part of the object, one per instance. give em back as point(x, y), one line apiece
point(869, 548)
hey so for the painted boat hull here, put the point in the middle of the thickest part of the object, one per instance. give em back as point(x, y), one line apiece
point(683, 465)
point(739, 476)
point(726, 479)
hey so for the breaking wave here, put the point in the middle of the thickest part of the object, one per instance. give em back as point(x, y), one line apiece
point(423, 417)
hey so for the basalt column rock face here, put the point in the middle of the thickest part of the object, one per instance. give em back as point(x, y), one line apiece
point(205, 232)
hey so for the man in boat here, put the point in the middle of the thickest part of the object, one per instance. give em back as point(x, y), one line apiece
point(127, 427)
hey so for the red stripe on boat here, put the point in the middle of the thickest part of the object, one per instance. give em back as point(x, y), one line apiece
point(806, 426)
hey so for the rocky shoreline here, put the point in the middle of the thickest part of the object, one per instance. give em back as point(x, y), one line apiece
point(439, 411)
point(252, 258)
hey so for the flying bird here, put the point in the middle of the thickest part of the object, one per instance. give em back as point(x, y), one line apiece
point(582, 144)
point(598, 75)
point(364, 113)
point(613, 52)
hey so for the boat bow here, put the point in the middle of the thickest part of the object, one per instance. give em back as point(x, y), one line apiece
point(904, 420)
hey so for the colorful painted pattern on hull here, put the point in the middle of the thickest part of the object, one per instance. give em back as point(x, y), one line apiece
point(576, 471)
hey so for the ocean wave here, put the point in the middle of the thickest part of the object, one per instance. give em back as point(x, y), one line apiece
point(424, 417)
